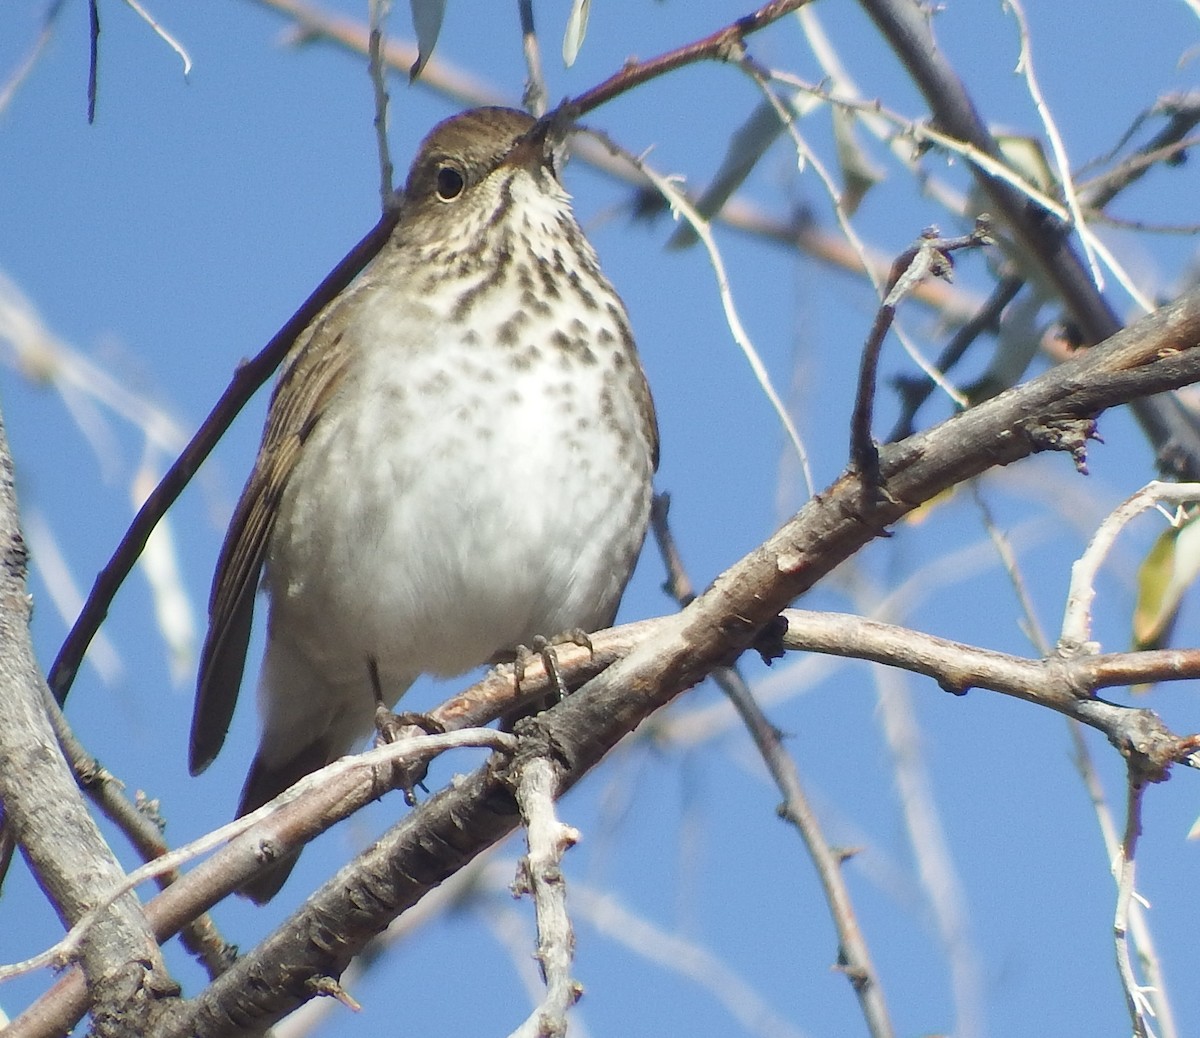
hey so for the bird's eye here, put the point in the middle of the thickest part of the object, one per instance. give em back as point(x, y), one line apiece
point(450, 183)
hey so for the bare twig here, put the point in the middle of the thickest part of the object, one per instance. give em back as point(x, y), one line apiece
point(378, 13)
point(163, 35)
point(1140, 1008)
point(93, 57)
point(1139, 927)
point(808, 157)
point(1077, 617)
point(1065, 179)
point(1185, 230)
point(722, 45)
point(539, 874)
point(683, 207)
point(930, 255)
point(678, 584)
point(1008, 559)
point(854, 957)
point(1165, 147)
point(534, 96)
point(914, 390)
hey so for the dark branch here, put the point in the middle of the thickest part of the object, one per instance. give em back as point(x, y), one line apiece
point(930, 255)
point(905, 26)
point(249, 377)
point(720, 46)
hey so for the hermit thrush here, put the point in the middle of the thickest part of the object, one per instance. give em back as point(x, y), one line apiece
point(457, 459)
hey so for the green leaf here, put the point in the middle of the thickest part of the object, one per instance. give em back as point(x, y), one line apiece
point(1168, 571)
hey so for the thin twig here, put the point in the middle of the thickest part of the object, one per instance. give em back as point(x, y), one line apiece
point(914, 391)
point(678, 584)
point(1185, 230)
point(683, 207)
point(534, 96)
point(1139, 927)
point(1008, 559)
point(1167, 146)
point(930, 255)
point(1135, 998)
point(854, 957)
point(93, 57)
point(539, 874)
point(1065, 180)
point(378, 14)
point(809, 157)
point(163, 35)
point(840, 83)
point(1077, 616)
point(722, 45)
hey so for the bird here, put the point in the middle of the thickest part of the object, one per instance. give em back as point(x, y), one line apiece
point(457, 460)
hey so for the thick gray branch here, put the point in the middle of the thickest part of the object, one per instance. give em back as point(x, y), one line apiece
point(57, 835)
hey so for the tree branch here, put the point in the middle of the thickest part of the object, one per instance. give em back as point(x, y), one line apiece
point(249, 377)
point(49, 819)
point(1052, 412)
point(905, 26)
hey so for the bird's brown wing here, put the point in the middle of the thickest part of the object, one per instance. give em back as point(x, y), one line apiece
point(312, 375)
point(651, 420)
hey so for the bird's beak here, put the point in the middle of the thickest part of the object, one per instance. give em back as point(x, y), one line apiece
point(544, 145)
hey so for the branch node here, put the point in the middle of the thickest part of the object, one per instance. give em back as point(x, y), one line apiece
point(330, 988)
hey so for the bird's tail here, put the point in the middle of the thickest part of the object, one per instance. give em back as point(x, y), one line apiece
point(264, 783)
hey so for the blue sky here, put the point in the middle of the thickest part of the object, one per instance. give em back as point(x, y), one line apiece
point(174, 236)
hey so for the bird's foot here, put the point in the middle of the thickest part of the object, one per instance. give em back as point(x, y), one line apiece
point(544, 648)
point(389, 724)
point(389, 727)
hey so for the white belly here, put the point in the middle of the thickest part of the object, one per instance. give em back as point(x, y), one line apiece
point(430, 524)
